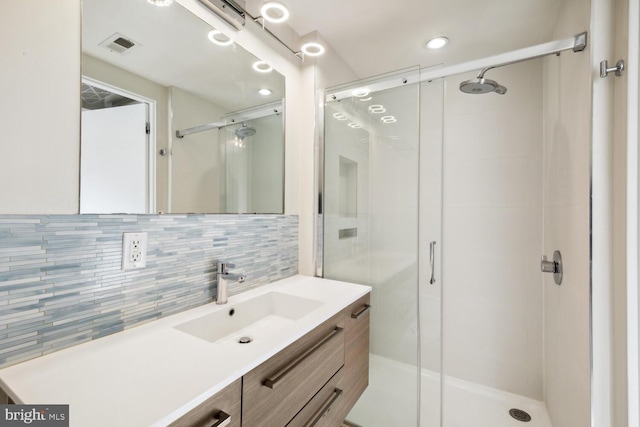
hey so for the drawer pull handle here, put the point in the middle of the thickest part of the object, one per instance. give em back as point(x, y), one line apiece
point(275, 378)
point(324, 409)
point(222, 419)
point(361, 312)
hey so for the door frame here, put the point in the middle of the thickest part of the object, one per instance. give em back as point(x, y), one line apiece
point(151, 136)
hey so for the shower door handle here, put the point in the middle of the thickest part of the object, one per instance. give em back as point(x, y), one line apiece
point(432, 265)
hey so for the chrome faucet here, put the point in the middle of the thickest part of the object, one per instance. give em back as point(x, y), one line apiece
point(223, 281)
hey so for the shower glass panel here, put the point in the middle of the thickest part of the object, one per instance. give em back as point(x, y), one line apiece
point(370, 232)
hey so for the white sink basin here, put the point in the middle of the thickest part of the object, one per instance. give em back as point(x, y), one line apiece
point(254, 318)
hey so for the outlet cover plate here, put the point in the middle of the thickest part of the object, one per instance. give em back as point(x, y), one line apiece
point(134, 250)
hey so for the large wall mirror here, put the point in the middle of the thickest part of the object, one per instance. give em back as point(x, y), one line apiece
point(176, 117)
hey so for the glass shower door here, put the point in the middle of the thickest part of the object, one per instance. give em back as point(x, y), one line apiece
point(371, 231)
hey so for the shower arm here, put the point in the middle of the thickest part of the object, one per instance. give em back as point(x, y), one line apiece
point(484, 70)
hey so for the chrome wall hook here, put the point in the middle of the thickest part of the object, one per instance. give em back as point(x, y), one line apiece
point(554, 266)
point(605, 69)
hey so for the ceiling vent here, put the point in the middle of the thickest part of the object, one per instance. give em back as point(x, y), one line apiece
point(120, 44)
point(231, 11)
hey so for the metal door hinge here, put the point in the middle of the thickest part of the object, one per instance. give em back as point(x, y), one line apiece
point(147, 128)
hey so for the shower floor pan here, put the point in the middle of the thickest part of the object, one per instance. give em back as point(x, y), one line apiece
point(390, 400)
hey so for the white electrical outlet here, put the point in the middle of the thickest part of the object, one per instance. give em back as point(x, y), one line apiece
point(134, 250)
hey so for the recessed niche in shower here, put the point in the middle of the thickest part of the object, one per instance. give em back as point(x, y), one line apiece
point(348, 202)
point(347, 233)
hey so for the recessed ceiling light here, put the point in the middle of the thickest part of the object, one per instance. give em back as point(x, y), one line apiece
point(354, 125)
point(265, 92)
point(217, 37)
point(262, 67)
point(437, 42)
point(312, 49)
point(388, 119)
point(161, 3)
point(274, 11)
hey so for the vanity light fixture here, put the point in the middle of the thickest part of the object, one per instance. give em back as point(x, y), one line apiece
point(437, 42)
point(262, 67)
point(161, 3)
point(265, 92)
point(219, 38)
point(312, 49)
point(274, 11)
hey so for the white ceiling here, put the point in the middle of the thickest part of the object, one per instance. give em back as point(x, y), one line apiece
point(375, 36)
point(372, 36)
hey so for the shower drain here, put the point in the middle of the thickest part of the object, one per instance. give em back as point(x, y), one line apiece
point(520, 415)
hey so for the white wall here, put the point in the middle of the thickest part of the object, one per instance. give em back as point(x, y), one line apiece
point(40, 106)
point(566, 183)
point(492, 227)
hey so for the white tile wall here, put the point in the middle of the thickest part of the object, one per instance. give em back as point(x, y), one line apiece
point(492, 227)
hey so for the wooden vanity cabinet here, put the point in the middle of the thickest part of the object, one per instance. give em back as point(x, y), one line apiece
point(353, 378)
point(313, 382)
point(214, 411)
point(330, 405)
point(274, 392)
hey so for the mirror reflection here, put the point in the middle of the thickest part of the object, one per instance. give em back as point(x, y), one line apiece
point(176, 117)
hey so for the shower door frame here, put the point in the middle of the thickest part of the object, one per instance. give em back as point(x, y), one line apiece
point(577, 43)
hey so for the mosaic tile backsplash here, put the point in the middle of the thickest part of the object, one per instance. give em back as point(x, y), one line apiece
point(61, 281)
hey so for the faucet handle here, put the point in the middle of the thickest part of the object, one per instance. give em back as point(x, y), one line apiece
point(223, 267)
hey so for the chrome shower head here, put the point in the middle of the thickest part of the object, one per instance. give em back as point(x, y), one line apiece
point(244, 131)
point(500, 90)
point(480, 85)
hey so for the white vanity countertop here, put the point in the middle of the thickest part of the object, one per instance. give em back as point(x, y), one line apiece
point(152, 374)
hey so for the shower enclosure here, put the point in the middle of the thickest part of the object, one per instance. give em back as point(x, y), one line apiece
point(444, 200)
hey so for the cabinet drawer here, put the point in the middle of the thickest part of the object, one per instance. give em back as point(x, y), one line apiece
point(356, 364)
point(214, 411)
point(318, 412)
point(274, 392)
